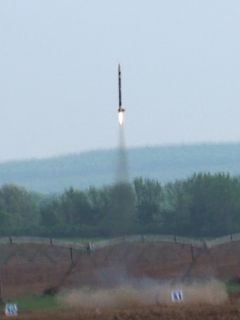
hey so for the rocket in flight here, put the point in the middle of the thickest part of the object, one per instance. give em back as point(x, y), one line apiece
point(121, 110)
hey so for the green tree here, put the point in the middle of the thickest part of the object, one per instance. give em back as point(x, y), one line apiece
point(120, 215)
point(149, 198)
point(17, 208)
point(74, 208)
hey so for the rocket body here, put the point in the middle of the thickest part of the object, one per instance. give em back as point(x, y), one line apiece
point(121, 110)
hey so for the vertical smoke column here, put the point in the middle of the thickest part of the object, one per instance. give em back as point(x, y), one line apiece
point(122, 161)
point(122, 206)
point(122, 165)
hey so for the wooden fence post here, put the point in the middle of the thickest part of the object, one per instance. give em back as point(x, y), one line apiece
point(1, 286)
point(192, 253)
point(71, 254)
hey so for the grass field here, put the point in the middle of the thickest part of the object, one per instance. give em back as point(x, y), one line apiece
point(30, 269)
point(233, 287)
point(36, 303)
point(51, 303)
point(177, 312)
point(46, 307)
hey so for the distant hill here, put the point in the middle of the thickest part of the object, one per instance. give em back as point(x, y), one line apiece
point(97, 168)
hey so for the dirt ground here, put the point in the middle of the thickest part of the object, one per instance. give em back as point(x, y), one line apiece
point(196, 312)
point(34, 269)
point(27, 269)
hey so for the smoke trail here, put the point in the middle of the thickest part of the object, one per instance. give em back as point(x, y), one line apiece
point(120, 217)
point(122, 161)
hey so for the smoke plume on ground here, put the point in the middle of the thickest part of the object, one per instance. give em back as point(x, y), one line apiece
point(211, 292)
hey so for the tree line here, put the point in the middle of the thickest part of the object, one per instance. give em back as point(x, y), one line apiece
point(204, 205)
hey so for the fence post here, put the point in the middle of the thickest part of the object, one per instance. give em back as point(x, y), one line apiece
point(71, 254)
point(192, 252)
point(1, 286)
point(89, 248)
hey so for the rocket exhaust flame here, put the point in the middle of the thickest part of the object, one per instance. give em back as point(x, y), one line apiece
point(121, 118)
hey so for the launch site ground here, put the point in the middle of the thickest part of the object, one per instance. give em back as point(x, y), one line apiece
point(43, 278)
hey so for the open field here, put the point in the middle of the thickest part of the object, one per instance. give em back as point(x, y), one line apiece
point(43, 267)
point(30, 272)
point(194, 312)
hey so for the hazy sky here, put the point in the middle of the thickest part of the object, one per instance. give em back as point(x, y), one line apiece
point(58, 73)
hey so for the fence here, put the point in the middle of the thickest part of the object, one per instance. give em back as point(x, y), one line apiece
point(95, 245)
